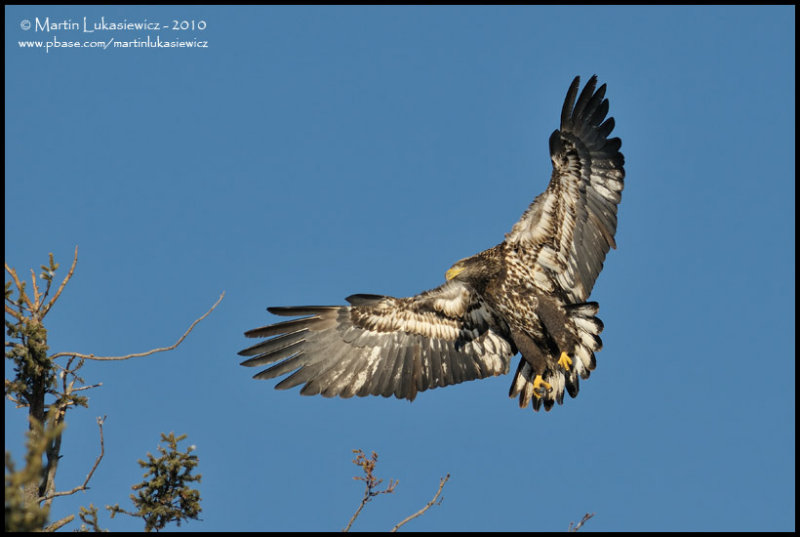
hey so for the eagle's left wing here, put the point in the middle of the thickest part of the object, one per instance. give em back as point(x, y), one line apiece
point(382, 345)
point(570, 227)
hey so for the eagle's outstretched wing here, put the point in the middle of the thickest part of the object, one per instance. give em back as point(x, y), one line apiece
point(382, 345)
point(569, 228)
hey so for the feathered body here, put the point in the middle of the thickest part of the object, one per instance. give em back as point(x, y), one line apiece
point(527, 294)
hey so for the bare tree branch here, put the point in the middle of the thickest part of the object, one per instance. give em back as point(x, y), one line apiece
point(81, 388)
point(85, 485)
point(577, 526)
point(353, 518)
point(140, 354)
point(442, 481)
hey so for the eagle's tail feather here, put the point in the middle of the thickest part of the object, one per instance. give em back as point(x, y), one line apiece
point(587, 329)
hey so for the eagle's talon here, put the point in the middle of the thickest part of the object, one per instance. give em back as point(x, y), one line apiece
point(565, 361)
point(540, 387)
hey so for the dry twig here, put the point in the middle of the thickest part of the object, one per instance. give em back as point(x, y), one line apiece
point(442, 481)
point(372, 483)
point(146, 353)
point(577, 526)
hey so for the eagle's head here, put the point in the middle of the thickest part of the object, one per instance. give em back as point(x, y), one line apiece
point(478, 267)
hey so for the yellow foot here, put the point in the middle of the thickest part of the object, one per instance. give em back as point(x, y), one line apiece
point(565, 361)
point(540, 387)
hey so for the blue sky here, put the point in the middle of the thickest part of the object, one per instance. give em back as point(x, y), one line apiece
point(310, 153)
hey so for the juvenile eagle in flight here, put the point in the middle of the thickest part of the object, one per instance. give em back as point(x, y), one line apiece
point(527, 294)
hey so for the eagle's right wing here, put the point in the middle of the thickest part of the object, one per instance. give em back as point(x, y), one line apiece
point(569, 228)
point(382, 345)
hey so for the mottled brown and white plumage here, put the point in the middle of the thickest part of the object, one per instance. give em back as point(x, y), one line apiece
point(526, 294)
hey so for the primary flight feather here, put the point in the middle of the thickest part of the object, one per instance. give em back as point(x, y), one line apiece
point(527, 294)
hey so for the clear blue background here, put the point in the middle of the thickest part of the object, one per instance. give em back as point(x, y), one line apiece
point(309, 153)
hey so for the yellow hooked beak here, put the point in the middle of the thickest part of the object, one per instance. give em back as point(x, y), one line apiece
point(453, 272)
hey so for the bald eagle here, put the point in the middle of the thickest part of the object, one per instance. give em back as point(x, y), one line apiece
point(527, 294)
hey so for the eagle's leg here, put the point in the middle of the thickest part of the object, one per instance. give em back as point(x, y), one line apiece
point(565, 361)
point(540, 387)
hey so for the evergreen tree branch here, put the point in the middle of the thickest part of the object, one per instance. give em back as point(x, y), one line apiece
point(89, 516)
point(36, 295)
point(59, 523)
point(20, 287)
point(166, 496)
point(63, 283)
point(17, 315)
